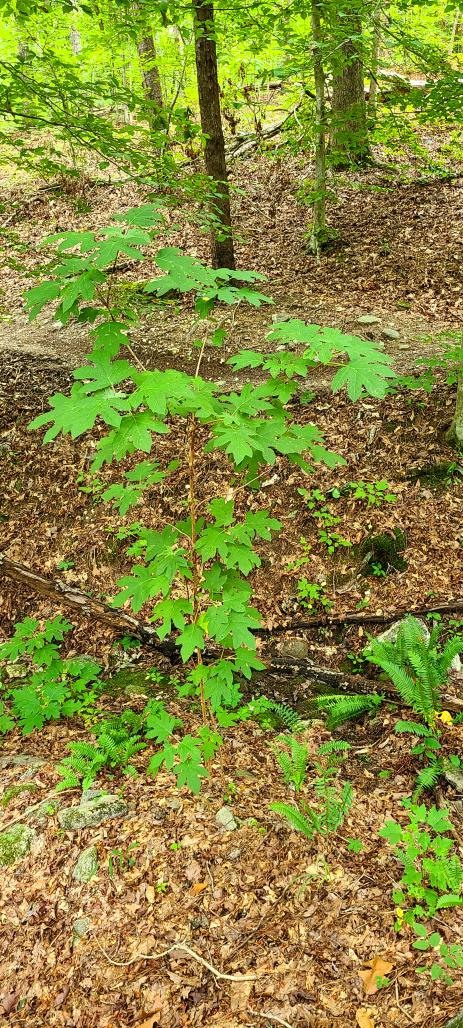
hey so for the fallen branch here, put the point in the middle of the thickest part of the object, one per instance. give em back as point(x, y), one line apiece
point(245, 143)
point(324, 678)
point(333, 621)
point(119, 620)
point(62, 592)
point(183, 948)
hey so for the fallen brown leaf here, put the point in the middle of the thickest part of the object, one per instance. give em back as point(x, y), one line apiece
point(378, 968)
point(364, 1019)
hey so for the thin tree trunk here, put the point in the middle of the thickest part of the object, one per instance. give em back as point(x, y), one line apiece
point(374, 64)
point(150, 77)
point(319, 207)
point(211, 124)
point(453, 48)
point(349, 131)
point(74, 34)
point(455, 432)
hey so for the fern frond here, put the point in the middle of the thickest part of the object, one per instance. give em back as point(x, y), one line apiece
point(412, 727)
point(288, 717)
point(345, 708)
point(333, 746)
point(296, 818)
point(428, 777)
point(452, 649)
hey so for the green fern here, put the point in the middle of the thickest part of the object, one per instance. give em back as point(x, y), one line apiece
point(412, 727)
point(293, 764)
point(341, 708)
point(306, 824)
point(415, 666)
point(333, 746)
point(117, 741)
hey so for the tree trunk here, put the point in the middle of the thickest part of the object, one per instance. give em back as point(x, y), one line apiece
point(456, 26)
point(319, 208)
point(150, 77)
point(349, 130)
point(455, 432)
point(374, 64)
point(211, 124)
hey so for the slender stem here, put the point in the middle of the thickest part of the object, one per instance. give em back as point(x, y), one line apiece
point(195, 563)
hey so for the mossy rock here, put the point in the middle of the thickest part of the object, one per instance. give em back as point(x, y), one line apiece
point(87, 865)
point(437, 475)
point(92, 813)
point(15, 844)
point(15, 790)
point(384, 551)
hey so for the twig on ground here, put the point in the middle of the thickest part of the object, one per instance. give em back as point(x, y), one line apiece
point(268, 1017)
point(183, 948)
point(20, 817)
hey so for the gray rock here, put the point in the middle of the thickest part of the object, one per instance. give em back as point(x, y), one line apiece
point(278, 317)
point(454, 776)
point(234, 853)
point(225, 820)
point(15, 843)
point(456, 1022)
point(174, 803)
point(80, 929)
point(41, 812)
point(21, 760)
point(91, 794)
point(296, 648)
point(91, 813)
point(368, 319)
point(390, 333)
point(87, 865)
point(391, 633)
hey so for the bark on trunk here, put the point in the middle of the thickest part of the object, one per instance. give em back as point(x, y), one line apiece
point(317, 237)
point(211, 124)
point(150, 76)
point(349, 130)
point(455, 432)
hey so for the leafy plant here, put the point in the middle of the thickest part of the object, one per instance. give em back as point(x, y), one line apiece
point(312, 596)
point(375, 493)
point(332, 800)
point(117, 741)
point(341, 708)
point(192, 575)
point(316, 503)
point(121, 860)
point(293, 760)
point(53, 686)
point(431, 880)
point(416, 666)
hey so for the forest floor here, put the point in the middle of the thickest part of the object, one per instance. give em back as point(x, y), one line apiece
point(303, 919)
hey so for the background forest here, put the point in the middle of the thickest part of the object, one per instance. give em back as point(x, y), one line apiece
point(231, 423)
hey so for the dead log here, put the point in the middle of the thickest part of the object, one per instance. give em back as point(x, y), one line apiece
point(325, 679)
point(331, 621)
point(96, 610)
point(62, 593)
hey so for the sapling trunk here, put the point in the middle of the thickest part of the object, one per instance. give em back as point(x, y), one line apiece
point(211, 124)
point(319, 207)
point(455, 432)
point(195, 563)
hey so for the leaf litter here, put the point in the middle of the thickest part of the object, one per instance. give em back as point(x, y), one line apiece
point(309, 923)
